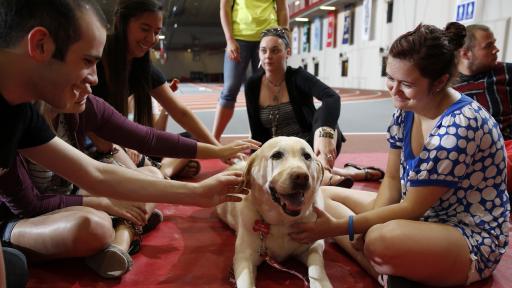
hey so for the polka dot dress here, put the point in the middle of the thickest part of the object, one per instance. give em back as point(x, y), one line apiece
point(464, 152)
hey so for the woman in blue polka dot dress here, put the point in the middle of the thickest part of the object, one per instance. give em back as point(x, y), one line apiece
point(441, 216)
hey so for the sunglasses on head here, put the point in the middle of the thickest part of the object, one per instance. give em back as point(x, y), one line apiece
point(280, 32)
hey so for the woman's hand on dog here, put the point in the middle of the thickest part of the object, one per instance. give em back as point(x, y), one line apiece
point(325, 226)
point(220, 188)
point(233, 149)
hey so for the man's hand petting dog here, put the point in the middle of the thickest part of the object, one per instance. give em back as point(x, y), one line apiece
point(322, 228)
point(219, 188)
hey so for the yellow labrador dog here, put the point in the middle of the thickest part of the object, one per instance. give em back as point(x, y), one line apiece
point(284, 178)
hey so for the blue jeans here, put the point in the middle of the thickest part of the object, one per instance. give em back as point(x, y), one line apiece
point(234, 72)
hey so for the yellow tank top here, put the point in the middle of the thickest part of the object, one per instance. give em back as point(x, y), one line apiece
point(251, 17)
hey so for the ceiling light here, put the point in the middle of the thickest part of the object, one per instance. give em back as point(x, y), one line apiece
point(161, 37)
point(301, 19)
point(329, 8)
point(175, 25)
point(297, 3)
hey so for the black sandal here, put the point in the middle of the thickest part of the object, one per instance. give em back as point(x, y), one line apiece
point(346, 182)
point(366, 170)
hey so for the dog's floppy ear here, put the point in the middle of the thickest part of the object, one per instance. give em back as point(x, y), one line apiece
point(319, 171)
point(248, 170)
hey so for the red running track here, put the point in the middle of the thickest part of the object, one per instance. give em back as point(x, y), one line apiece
point(208, 97)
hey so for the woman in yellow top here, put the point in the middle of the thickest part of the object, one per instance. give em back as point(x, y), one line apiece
point(242, 22)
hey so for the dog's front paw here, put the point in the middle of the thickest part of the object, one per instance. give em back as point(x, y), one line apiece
point(319, 283)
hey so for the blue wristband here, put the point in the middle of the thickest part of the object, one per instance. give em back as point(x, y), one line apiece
point(351, 227)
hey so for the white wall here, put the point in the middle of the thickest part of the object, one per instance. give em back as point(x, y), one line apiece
point(365, 57)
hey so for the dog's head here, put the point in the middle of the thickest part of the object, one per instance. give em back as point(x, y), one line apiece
point(284, 173)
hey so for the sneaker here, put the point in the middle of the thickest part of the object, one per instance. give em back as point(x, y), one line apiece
point(112, 262)
point(154, 219)
point(16, 271)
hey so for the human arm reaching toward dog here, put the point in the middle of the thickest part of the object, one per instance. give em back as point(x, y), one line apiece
point(121, 183)
point(325, 146)
point(107, 123)
point(24, 199)
point(387, 207)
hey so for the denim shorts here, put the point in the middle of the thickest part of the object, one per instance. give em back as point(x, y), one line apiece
point(6, 231)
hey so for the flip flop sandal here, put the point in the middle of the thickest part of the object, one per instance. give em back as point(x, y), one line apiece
point(154, 219)
point(191, 169)
point(135, 246)
point(112, 262)
point(366, 170)
point(346, 182)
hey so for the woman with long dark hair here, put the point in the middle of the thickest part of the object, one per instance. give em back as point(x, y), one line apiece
point(126, 69)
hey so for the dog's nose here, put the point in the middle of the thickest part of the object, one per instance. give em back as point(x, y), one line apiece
point(300, 180)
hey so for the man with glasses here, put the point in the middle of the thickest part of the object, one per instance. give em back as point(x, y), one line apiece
point(48, 51)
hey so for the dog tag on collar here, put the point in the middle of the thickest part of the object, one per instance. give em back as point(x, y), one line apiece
point(261, 226)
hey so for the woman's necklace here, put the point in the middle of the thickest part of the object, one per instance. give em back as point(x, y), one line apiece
point(275, 88)
point(274, 113)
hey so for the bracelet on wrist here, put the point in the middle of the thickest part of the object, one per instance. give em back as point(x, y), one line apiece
point(351, 227)
point(326, 132)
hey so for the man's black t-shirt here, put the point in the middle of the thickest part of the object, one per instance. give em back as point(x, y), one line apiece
point(21, 126)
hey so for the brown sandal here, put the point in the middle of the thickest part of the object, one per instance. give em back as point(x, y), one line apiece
point(366, 170)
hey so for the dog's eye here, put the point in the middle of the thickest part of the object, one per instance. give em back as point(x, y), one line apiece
point(307, 156)
point(277, 155)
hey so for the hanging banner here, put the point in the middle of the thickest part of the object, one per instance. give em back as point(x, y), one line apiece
point(295, 40)
point(331, 30)
point(348, 27)
point(305, 38)
point(367, 20)
point(465, 11)
point(317, 34)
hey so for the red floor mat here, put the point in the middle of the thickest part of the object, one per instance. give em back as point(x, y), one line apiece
point(193, 248)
